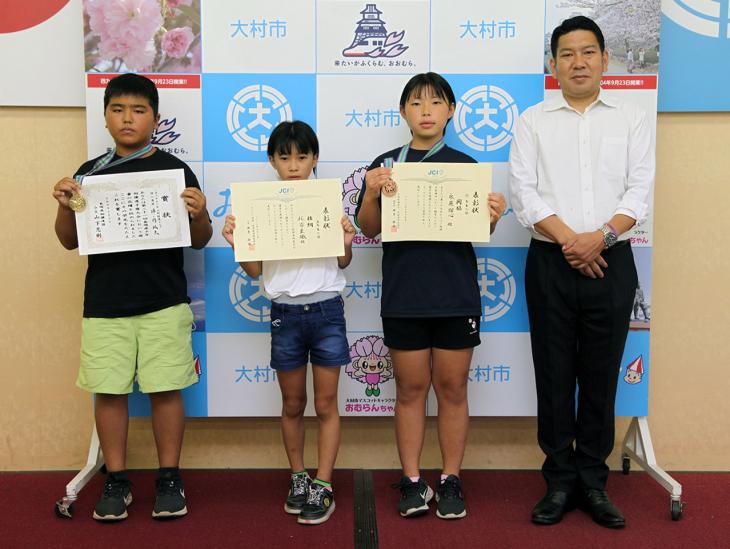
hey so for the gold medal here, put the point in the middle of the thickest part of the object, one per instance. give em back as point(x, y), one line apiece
point(390, 189)
point(77, 202)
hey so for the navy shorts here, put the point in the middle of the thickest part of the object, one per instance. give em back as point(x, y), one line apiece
point(411, 334)
point(309, 333)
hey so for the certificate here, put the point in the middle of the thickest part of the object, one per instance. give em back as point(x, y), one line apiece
point(437, 201)
point(133, 211)
point(287, 219)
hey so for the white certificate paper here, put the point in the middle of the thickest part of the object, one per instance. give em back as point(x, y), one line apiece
point(133, 211)
point(437, 201)
point(287, 219)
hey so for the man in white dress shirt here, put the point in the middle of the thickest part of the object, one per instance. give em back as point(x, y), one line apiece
point(581, 170)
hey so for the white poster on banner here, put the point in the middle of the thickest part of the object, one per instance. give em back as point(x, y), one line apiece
point(41, 53)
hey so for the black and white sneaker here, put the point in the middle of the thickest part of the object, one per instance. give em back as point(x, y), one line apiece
point(170, 499)
point(414, 497)
point(298, 491)
point(450, 499)
point(319, 506)
point(115, 498)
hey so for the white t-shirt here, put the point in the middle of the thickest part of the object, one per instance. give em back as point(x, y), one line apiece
point(296, 277)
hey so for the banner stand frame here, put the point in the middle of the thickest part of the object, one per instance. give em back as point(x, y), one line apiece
point(94, 462)
point(637, 445)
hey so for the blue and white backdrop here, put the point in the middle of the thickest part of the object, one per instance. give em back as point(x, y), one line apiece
point(245, 66)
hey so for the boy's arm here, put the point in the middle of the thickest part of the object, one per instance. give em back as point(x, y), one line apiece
point(65, 217)
point(200, 228)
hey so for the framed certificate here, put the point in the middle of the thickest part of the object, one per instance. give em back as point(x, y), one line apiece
point(437, 201)
point(287, 219)
point(133, 211)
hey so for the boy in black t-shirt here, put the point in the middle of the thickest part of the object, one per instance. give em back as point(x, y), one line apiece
point(137, 320)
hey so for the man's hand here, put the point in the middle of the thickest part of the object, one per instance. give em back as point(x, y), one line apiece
point(583, 249)
point(594, 269)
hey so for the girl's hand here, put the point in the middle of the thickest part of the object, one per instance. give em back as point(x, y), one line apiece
point(375, 179)
point(497, 206)
point(349, 230)
point(228, 228)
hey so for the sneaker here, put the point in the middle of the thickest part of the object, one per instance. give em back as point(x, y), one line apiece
point(319, 506)
point(414, 497)
point(298, 491)
point(450, 499)
point(170, 499)
point(114, 500)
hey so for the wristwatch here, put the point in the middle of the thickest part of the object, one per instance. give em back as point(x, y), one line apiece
point(609, 237)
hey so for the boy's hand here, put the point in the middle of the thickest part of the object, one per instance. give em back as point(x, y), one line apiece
point(349, 230)
point(497, 206)
point(375, 179)
point(228, 228)
point(194, 201)
point(63, 190)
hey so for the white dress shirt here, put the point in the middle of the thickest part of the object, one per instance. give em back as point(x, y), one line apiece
point(584, 168)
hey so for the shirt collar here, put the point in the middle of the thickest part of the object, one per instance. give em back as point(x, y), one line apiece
point(558, 102)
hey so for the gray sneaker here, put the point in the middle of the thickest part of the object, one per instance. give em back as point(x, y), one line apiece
point(170, 500)
point(115, 498)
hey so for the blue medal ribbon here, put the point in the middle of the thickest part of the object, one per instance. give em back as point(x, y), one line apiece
point(106, 161)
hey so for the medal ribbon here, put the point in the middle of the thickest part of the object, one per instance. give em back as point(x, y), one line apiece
point(106, 160)
point(388, 162)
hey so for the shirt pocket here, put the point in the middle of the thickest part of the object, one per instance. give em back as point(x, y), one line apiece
point(614, 151)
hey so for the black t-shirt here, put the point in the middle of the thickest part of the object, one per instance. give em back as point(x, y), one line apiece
point(134, 283)
point(428, 279)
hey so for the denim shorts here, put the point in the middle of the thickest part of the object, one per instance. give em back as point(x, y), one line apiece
point(314, 333)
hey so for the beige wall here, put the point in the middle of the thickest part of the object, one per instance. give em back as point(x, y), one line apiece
point(45, 421)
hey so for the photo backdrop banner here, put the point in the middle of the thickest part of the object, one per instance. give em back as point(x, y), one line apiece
point(229, 72)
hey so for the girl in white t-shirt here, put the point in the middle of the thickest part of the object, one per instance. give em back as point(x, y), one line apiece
point(307, 324)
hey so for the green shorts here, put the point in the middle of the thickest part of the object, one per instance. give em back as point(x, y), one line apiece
point(156, 347)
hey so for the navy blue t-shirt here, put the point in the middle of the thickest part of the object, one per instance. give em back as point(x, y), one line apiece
point(133, 283)
point(428, 279)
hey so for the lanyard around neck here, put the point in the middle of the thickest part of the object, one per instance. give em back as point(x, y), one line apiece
point(388, 162)
point(106, 160)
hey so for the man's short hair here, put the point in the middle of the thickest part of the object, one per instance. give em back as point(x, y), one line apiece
point(132, 84)
point(579, 22)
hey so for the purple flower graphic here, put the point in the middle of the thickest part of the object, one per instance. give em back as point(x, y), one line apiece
point(351, 190)
point(371, 363)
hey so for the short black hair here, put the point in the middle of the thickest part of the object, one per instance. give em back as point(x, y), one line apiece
point(297, 133)
point(579, 22)
point(432, 80)
point(132, 84)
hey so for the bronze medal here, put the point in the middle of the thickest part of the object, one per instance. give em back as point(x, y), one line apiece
point(390, 189)
point(77, 202)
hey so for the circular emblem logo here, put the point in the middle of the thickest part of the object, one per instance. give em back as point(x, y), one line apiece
point(497, 284)
point(252, 114)
point(703, 17)
point(485, 117)
point(248, 298)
